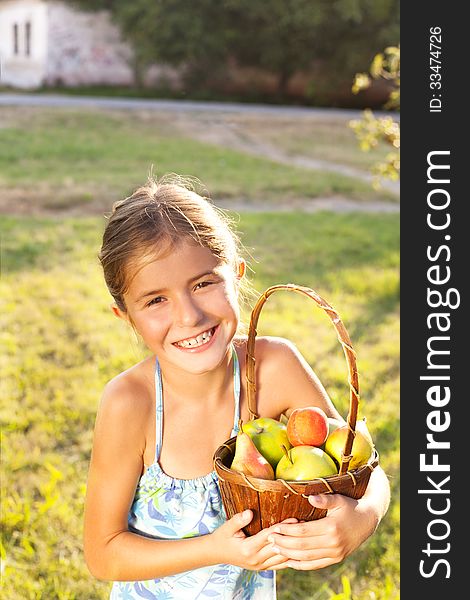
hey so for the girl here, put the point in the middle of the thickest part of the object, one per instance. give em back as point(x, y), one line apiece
point(154, 521)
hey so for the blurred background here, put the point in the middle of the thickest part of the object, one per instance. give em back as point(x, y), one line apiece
point(287, 113)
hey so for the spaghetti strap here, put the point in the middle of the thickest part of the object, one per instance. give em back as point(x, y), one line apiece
point(159, 402)
point(158, 410)
point(167, 508)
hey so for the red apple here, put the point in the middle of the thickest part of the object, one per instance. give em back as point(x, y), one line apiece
point(307, 426)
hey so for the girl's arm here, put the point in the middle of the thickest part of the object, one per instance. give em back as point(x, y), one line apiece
point(287, 383)
point(348, 523)
point(114, 553)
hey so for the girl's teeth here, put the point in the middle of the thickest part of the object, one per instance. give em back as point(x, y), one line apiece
point(197, 341)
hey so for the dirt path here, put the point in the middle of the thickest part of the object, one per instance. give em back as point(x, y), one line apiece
point(234, 134)
point(13, 202)
point(245, 131)
point(332, 203)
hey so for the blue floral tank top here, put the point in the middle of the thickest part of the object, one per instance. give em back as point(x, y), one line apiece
point(170, 509)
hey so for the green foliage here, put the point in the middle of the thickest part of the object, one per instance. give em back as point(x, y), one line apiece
point(328, 40)
point(371, 130)
point(388, 591)
point(346, 593)
point(62, 344)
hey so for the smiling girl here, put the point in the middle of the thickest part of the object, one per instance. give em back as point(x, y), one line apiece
point(154, 520)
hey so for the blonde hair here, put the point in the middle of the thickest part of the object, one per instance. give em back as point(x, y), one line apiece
point(155, 219)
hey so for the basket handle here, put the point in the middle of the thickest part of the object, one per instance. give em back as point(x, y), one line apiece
point(344, 340)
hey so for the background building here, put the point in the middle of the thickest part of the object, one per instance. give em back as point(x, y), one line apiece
point(50, 43)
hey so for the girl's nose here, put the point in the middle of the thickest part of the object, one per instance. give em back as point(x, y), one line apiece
point(187, 312)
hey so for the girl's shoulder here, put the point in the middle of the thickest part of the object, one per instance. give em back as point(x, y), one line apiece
point(277, 358)
point(277, 364)
point(284, 379)
point(130, 392)
point(270, 350)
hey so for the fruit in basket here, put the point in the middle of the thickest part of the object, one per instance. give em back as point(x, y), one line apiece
point(248, 460)
point(362, 447)
point(333, 424)
point(303, 463)
point(307, 426)
point(269, 436)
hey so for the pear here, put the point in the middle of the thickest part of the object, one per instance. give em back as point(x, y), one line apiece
point(362, 448)
point(248, 459)
point(268, 435)
point(333, 424)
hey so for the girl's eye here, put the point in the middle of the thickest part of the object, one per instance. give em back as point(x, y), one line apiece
point(156, 300)
point(203, 284)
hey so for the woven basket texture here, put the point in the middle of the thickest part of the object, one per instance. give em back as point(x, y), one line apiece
point(273, 501)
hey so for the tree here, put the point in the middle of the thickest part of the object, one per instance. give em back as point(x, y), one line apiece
point(180, 33)
point(327, 39)
point(278, 37)
point(370, 130)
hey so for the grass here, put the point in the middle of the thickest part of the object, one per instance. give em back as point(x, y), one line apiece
point(62, 344)
point(328, 139)
point(66, 158)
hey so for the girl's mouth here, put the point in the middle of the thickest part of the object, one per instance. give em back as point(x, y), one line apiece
point(196, 342)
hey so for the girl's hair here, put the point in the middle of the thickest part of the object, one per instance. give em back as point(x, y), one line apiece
point(154, 219)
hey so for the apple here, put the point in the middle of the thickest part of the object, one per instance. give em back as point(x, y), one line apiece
point(307, 426)
point(362, 447)
point(269, 436)
point(303, 463)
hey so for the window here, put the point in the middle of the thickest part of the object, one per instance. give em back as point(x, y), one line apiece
point(15, 38)
point(27, 33)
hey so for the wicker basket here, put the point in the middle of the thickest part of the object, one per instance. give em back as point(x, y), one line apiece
point(273, 501)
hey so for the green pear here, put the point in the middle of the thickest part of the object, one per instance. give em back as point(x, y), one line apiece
point(268, 436)
point(303, 463)
point(333, 424)
point(362, 447)
point(248, 460)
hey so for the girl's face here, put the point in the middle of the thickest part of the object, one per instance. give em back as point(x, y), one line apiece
point(185, 307)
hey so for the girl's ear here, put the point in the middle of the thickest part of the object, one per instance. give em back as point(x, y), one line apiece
point(118, 312)
point(241, 268)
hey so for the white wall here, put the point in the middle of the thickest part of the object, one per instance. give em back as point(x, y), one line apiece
point(85, 48)
point(20, 70)
point(68, 47)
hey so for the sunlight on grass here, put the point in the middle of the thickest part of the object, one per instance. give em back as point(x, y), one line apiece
point(62, 344)
point(318, 138)
point(66, 158)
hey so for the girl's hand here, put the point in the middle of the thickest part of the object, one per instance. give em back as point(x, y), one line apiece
point(255, 553)
point(318, 544)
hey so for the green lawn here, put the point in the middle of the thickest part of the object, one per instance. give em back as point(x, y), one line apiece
point(62, 344)
point(64, 158)
point(329, 139)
